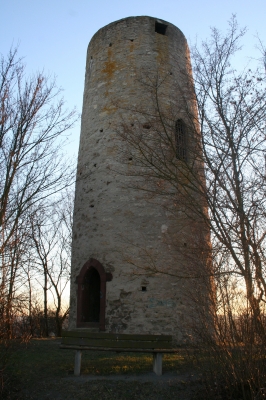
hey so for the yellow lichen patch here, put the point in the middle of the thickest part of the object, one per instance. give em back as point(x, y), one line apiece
point(108, 109)
point(112, 150)
point(131, 48)
point(162, 49)
point(109, 65)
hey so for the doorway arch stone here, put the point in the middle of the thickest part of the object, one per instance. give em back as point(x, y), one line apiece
point(91, 301)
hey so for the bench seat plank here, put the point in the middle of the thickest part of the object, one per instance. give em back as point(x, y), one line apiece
point(118, 350)
point(116, 343)
point(115, 336)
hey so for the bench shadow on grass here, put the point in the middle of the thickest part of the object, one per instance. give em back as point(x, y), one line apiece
point(40, 369)
point(42, 358)
point(108, 363)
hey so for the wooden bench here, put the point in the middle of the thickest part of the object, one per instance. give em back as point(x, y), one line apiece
point(80, 340)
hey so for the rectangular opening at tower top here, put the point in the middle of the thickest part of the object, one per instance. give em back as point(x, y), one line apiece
point(160, 28)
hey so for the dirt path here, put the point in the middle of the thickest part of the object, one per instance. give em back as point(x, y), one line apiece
point(116, 387)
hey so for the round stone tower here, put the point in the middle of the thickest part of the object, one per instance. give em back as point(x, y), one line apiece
point(136, 256)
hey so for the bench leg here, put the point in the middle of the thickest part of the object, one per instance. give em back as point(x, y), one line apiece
point(77, 363)
point(157, 363)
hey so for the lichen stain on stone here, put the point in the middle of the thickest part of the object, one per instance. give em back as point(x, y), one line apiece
point(131, 47)
point(112, 150)
point(124, 294)
point(108, 109)
point(109, 65)
point(162, 48)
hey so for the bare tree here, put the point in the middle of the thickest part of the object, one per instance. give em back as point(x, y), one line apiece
point(232, 113)
point(220, 178)
point(262, 49)
point(33, 124)
point(51, 234)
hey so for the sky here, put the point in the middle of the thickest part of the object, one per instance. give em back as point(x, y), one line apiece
point(53, 35)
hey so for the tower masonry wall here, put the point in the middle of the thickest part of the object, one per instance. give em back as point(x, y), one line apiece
point(134, 237)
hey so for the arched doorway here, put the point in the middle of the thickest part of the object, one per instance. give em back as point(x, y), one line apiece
point(91, 288)
point(92, 295)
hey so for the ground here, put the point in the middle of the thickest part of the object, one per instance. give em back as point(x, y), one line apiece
point(41, 370)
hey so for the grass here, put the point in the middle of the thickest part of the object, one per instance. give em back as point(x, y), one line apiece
point(39, 356)
point(112, 363)
point(41, 370)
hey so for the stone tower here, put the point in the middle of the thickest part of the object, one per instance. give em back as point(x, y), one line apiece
point(134, 255)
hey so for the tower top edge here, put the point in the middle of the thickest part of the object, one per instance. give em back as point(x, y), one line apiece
point(138, 19)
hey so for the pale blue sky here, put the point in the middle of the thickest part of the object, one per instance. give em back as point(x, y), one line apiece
point(54, 34)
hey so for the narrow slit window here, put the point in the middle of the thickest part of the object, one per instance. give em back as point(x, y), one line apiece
point(181, 140)
point(160, 28)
